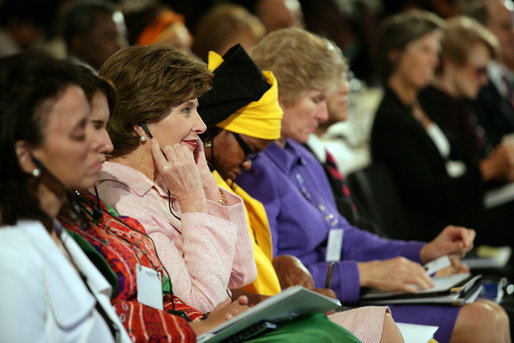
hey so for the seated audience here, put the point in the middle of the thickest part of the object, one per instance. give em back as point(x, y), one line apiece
point(242, 121)
point(466, 50)
point(92, 31)
point(434, 189)
point(122, 241)
point(49, 290)
point(347, 205)
point(301, 210)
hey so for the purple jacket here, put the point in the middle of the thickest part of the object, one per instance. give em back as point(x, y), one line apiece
point(300, 227)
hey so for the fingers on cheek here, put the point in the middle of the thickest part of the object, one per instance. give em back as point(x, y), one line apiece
point(168, 151)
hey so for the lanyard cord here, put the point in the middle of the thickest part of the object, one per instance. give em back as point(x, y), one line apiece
point(329, 218)
point(169, 206)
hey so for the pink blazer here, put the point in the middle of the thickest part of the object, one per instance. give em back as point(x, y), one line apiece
point(204, 254)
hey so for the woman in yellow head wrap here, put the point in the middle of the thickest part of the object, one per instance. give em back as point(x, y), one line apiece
point(243, 117)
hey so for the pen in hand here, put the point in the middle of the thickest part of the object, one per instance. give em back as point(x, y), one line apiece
point(329, 275)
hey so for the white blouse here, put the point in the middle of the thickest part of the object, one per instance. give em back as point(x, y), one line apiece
point(42, 297)
point(453, 168)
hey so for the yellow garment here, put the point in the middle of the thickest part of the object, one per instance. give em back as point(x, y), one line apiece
point(267, 281)
point(260, 119)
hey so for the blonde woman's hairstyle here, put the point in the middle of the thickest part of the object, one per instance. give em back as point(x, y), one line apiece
point(149, 81)
point(301, 61)
point(459, 37)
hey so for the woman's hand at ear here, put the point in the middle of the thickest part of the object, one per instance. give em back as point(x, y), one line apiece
point(180, 173)
point(210, 186)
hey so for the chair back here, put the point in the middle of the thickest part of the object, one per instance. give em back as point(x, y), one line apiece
point(374, 188)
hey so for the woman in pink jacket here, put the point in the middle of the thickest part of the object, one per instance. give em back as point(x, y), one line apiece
point(157, 174)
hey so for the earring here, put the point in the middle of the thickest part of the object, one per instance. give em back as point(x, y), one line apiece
point(208, 144)
point(143, 139)
point(36, 172)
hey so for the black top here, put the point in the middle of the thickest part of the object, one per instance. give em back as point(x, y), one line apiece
point(494, 112)
point(432, 199)
point(459, 123)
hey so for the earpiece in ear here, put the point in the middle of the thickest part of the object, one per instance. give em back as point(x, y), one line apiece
point(143, 125)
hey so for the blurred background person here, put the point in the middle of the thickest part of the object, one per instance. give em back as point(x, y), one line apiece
point(92, 31)
point(278, 14)
point(301, 209)
point(494, 105)
point(466, 50)
point(224, 26)
point(433, 189)
point(24, 24)
point(153, 22)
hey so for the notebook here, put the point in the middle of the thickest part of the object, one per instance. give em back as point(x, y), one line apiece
point(286, 305)
point(455, 290)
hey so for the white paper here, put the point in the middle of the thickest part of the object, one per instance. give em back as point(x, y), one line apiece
point(414, 333)
point(434, 266)
point(290, 303)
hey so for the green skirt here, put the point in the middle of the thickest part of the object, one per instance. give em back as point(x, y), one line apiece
point(308, 328)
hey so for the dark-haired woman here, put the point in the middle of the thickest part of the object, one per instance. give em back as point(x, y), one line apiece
point(49, 290)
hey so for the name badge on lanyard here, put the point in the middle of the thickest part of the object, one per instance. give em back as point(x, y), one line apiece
point(334, 245)
point(149, 287)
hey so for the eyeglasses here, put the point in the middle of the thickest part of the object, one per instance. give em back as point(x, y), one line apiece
point(250, 155)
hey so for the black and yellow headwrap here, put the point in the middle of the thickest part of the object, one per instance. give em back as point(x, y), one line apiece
point(243, 99)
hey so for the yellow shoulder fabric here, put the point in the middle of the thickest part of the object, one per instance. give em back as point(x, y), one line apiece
point(267, 281)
